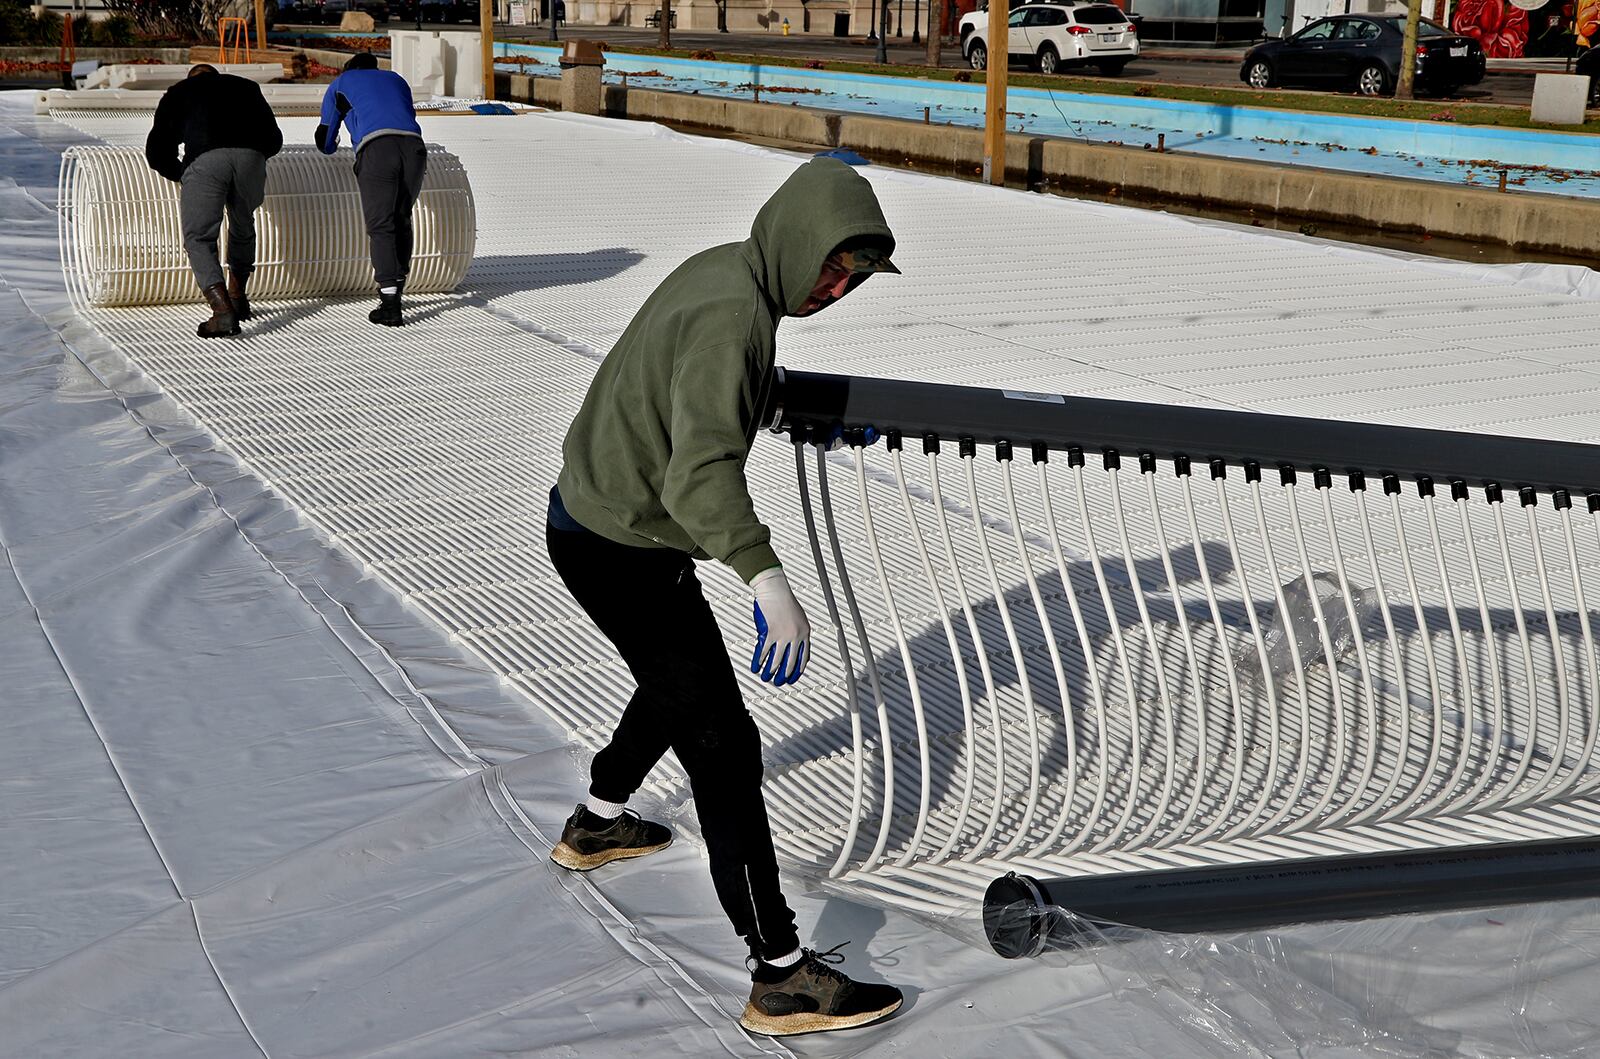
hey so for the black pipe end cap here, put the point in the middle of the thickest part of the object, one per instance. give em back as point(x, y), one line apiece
point(1015, 917)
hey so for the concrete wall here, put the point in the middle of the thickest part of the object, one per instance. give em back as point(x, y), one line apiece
point(1523, 220)
point(48, 54)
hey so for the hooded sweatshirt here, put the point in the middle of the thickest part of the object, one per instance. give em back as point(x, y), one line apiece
point(656, 455)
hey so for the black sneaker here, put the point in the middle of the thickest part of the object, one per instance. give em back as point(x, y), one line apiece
point(387, 314)
point(590, 840)
point(810, 997)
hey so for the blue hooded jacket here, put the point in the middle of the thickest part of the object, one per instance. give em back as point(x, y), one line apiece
point(372, 102)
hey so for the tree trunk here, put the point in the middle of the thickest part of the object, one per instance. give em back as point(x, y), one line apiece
point(935, 31)
point(664, 37)
point(1408, 51)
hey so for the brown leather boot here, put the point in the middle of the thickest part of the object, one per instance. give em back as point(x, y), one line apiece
point(223, 322)
point(236, 294)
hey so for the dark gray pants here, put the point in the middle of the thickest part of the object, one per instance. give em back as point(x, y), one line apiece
point(224, 178)
point(389, 171)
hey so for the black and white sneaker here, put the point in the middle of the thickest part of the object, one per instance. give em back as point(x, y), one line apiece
point(590, 840)
point(811, 996)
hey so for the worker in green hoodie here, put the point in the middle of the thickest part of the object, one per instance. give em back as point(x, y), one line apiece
point(653, 480)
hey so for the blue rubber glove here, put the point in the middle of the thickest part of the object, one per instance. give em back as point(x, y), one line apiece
point(783, 636)
point(836, 439)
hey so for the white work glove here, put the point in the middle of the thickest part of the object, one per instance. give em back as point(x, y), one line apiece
point(783, 636)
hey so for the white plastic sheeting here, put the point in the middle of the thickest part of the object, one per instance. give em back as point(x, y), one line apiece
point(390, 860)
point(122, 240)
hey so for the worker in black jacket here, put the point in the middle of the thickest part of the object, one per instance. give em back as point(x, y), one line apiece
point(228, 132)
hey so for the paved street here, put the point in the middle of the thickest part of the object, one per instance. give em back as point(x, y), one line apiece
point(1184, 66)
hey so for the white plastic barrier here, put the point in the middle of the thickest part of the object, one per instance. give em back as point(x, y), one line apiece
point(285, 100)
point(440, 62)
point(121, 243)
point(416, 56)
point(156, 76)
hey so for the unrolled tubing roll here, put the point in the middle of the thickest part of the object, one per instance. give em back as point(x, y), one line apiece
point(122, 244)
point(1024, 916)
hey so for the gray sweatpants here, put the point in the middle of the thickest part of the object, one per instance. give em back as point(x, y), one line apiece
point(224, 178)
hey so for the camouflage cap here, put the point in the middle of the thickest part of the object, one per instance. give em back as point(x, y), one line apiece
point(865, 259)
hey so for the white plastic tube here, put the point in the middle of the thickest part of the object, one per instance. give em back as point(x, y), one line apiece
point(122, 244)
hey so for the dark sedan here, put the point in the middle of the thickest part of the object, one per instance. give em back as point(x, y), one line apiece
point(1588, 65)
point(1362, 52)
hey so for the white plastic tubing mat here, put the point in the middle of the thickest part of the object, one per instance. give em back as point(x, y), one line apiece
point(122, 241)
point(428, 453)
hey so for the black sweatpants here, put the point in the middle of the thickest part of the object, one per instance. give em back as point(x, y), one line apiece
point(648, 603)
point(389, 172)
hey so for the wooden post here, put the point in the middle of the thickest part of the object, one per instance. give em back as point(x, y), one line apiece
point(261, 26)
point(994, 94)
point(486, 32)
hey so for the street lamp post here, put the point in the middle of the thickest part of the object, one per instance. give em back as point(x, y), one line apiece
point(916, 21)
point(872, 26)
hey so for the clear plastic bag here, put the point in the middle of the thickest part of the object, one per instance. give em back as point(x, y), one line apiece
point(1507, 983)
point(1299, 620)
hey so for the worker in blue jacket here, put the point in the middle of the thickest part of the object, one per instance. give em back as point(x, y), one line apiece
point(391, 160)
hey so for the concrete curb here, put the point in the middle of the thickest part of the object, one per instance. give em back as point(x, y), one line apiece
point(31, 53)
point(1521, 220)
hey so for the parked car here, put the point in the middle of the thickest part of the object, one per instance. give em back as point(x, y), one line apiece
point(971, 19)
point(1050, 36)
point(444, 11)
point(333, 10)
point(1589, 64)
point(1362, 52)
point(323, 12)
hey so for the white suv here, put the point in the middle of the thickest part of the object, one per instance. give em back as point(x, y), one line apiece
point(1052, 35)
